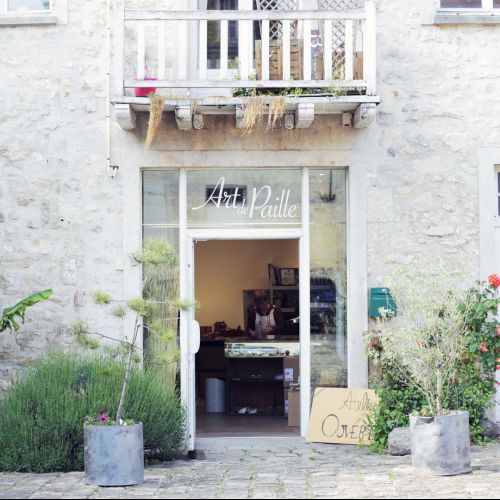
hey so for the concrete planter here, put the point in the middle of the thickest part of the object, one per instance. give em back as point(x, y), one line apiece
point(441, 445)
point(114, 455)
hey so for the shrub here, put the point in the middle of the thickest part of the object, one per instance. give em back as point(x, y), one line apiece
point(397, 400)
point(42, 416)
point(438, 358)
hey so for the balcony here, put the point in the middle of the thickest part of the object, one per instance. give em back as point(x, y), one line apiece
point(218, 61)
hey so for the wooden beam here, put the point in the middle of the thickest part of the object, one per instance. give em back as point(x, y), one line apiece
point(307, 50)
point(370, 49)
point(265, 49)
point(224, 44)
point(242, 15)
point(259, 84)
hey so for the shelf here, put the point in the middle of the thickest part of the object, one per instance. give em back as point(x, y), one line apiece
point(285, 287)
point(261, 380)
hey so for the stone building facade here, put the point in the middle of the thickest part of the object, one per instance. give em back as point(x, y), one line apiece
point(424, 167)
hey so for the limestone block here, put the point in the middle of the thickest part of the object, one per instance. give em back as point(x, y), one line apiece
point(400, 441)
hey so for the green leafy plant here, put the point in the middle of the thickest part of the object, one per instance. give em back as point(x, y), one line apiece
point(483, 326)
point(426, 340)
point(11, 315)
point(397, 400)
point(80, 328)
point(160, 270)
point(41, 415)
point(468, 387)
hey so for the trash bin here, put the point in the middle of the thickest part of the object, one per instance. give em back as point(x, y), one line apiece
point(215, 395)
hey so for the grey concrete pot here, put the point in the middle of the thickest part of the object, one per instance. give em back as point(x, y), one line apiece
point(114, 454)
point(441, 445)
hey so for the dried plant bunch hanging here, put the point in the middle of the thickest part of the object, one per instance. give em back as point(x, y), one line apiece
point(253, 110)
point(276, 111)
point(155, 115)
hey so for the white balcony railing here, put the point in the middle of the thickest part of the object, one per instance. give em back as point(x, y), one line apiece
point(176, 42)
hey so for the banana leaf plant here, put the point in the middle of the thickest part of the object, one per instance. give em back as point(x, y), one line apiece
point(10, 314)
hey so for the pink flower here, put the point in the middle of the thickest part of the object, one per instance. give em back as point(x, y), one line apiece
point(483, 347)
point(103, 418)
point(498, 330)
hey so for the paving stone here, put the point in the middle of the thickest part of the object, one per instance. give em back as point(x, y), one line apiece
point(239, 470)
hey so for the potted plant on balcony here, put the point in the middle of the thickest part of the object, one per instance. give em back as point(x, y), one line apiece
point(131, 68)
point(425, 345)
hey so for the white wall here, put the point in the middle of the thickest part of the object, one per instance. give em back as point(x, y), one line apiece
point(65, 224)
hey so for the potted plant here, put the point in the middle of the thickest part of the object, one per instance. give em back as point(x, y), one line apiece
point(114, 449)
point(131, 66)
point(425, 344)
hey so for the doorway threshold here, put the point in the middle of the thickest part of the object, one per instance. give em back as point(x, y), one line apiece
point(240, 426)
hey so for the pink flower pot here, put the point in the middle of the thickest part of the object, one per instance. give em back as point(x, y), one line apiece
point(145, 91)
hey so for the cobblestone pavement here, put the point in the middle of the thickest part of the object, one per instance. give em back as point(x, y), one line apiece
point(276, 468)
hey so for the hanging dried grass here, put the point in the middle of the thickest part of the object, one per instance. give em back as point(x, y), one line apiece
point(253, 110)
point(155, 114)
point(276, 111)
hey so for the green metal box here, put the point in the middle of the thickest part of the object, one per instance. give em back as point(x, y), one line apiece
point(381, 297)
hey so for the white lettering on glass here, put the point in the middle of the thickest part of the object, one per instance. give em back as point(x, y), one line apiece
point(261, 204)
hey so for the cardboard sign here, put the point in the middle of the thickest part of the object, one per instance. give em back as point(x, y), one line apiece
point(339, 416)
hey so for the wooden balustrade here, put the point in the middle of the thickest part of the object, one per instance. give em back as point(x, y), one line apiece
point(350, 35)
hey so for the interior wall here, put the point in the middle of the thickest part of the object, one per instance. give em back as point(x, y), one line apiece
point(223, 269)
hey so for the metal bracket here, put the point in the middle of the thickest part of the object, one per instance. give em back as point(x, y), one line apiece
point(365, 115)
point(184, 117)
point(304, 115)
point(198, 121)
point(289, 121)
point(125, 116)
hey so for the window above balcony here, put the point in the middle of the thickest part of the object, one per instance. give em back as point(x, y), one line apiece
point(467, 12)
point(320, 61)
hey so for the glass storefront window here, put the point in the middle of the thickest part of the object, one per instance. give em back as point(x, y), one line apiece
point(244, 198)
point(160, 199)
point(328, 248)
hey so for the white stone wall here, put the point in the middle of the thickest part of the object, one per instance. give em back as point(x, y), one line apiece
point(65, 224)
point(60, 214)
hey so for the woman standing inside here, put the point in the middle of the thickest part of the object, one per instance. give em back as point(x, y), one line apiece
point(265, 319)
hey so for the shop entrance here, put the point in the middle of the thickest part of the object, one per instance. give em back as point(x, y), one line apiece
point(247, 368)
point(302, 207)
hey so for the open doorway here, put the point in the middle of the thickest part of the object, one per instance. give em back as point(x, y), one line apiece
point(247, 368)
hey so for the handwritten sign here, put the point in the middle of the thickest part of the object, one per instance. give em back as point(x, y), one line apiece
point(339, 416)
point(262, 202)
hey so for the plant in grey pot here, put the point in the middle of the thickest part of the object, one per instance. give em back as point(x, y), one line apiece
point(114, 449)
point(425, 343)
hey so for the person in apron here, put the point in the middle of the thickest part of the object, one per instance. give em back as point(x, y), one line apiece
point(265, 319)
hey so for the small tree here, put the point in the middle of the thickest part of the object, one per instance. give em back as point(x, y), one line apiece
point(426, 340)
